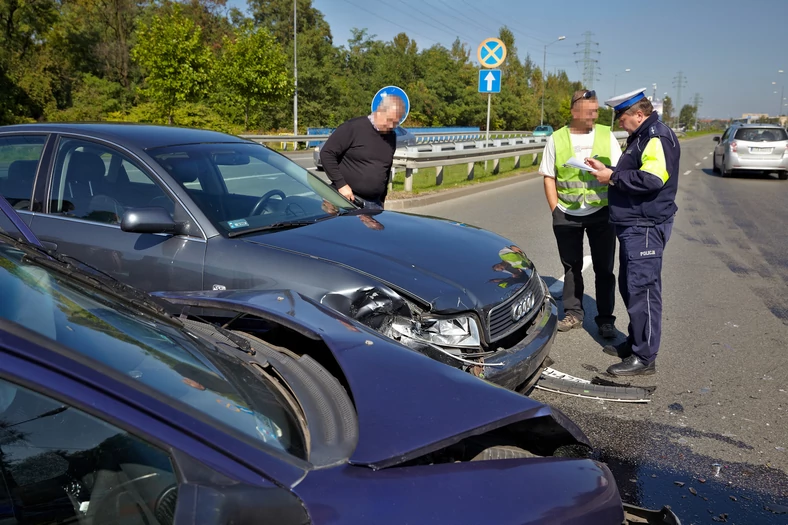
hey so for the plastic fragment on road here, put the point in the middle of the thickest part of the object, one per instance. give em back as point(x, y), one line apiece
point(552, 380)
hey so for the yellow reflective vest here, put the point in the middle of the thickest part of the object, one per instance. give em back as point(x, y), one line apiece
point(576, 186)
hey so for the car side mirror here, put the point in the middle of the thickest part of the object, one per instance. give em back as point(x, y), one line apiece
point(149, 220)
point(716, 139)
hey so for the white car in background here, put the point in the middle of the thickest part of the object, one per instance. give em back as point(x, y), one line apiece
point(752, 147)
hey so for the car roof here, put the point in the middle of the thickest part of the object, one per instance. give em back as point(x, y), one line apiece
point(775, 126)
point(143, 136)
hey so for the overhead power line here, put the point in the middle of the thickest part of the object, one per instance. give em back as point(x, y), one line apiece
point(452, 31)
point(388, 20)
point(590, 67)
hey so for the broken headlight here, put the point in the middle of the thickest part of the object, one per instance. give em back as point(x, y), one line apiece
point(456, 331)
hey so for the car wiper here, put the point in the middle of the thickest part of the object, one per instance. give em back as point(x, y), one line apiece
point(275, 226)
point(106, 283)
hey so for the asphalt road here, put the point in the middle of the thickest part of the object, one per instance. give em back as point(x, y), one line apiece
point(722, 374)
point(303, 158)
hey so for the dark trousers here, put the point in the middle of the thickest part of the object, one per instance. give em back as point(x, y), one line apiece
point(569, 230)
point(369, 203)
point(640, 283)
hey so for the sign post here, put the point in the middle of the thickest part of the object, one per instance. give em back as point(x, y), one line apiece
point(491, 54)
point(489, 82)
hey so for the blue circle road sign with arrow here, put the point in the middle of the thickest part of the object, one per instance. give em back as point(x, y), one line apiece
point(392, 90)
point(491, 53)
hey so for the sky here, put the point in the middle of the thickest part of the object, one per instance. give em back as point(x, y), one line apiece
point(728, 52)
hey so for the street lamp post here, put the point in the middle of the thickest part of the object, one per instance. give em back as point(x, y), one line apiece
point(613, 113)
point(295, 71)
point(782, 97)
point(544, 74)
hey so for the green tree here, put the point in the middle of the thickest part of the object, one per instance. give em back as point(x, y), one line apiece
point(28, 75)
point(93, 99)
point(253, 67)
point(667, 110)
point(320, 73)
point(176, 62)
point(687, 115)
point(515, 106)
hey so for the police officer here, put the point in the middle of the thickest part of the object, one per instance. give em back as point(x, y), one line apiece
point(578, 203)
point(642, 199)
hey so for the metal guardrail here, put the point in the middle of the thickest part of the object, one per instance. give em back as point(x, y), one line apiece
point(442, 136)
point(441, 149)
point(447, 154)
point(422, 137)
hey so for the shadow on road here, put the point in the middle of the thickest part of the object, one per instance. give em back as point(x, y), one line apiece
point(590, 310)
point(753, 175)
point(657, 464)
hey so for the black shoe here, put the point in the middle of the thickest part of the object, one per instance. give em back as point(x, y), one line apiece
point(621, 350)
point(607, 331)
point(568, 322)
point(632, 366)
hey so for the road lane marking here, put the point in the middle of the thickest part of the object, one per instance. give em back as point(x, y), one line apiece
point(315, 169)
point(704, 158)
point(558, 287)
point(697, 163)
point(687, 172)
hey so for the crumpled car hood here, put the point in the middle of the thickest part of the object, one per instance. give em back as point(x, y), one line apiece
point(407, 404)
point(451, 266)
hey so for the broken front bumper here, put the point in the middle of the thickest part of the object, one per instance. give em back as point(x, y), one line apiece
point(637, 515)
point(521, 365)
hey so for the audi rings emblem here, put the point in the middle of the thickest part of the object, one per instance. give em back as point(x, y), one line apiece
point(522, 306)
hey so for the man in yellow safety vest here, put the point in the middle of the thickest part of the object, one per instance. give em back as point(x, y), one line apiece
point(578, 203)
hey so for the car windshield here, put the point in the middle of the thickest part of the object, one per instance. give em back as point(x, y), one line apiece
point(244, 187)
point(160, 355)
point(761, 134)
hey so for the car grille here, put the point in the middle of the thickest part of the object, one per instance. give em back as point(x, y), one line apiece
point(500, 320)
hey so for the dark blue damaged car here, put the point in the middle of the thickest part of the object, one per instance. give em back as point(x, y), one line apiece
point(120, 408)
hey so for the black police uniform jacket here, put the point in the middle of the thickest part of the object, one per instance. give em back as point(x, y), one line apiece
point(644, 182)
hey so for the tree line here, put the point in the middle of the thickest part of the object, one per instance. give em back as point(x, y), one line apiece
point(198, 63)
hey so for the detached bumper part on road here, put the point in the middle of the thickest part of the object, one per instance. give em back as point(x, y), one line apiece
point(637, 515)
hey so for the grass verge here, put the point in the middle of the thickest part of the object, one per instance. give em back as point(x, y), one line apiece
point(693, 134)
point(456, 177)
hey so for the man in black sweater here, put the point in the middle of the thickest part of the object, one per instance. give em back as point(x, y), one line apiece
point(357, 157)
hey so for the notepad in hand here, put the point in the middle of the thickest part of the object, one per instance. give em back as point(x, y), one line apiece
point(574, 162)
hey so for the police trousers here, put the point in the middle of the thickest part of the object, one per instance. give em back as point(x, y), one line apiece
point(640, 284)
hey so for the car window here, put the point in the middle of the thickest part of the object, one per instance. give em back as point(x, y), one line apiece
point(19, 158)
point(245, 186)
point(61, 465)
point(161, 355)
point(96, 183)
point(761, 134)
